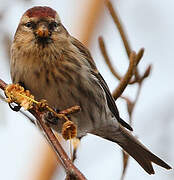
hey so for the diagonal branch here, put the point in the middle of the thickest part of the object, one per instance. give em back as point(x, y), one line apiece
point(120, 28)
point(132, 72)
point(125, 80)
point(107, 59)
point(69, 167)
point(119, 25)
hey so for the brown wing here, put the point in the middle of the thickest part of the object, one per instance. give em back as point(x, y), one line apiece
point(111, 103)
point(84, 51)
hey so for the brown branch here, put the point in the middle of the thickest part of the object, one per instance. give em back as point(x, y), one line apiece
point(125, 80)
point(130, 108)
point(66, 162)
point(131, 72)
point(139, 56)
point(120, 28)
point(70, 110)
point(124, 38)
point(107, 59)
point(69, 167)
point(2, 84)
point(112, 69)
point(136, 73)
point(146, 73)
point(125, 163)
point(109, 63)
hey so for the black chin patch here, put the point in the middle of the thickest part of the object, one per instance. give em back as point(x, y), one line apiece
point(44, 40)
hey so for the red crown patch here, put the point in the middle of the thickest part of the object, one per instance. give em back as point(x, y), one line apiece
point(41, 11)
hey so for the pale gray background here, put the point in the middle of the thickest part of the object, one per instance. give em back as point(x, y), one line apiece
point(149, 24)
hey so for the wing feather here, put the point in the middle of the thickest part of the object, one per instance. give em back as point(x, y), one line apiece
point(111, 103)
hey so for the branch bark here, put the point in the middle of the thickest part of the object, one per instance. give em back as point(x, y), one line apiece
point(69, 167)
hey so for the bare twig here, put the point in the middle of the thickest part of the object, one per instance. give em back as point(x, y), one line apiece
point(119, 27)
point(70, 169)
point(136, 73)
point(125, 163)
point(107, 59)
point(70, 110)
point(125, 80)
point(132, 75)
point(66, 162)
point(130, 109)
point(124, 37)
point(109, 63)
point(2, 84)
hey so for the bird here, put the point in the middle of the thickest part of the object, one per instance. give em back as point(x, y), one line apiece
point(55, 66)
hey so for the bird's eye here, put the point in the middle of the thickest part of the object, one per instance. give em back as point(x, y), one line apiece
point(30, 24)
point(53, 25)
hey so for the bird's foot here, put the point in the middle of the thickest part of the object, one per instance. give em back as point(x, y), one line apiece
point(50, 117)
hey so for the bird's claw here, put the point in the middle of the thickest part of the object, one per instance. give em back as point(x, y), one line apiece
point(14, 108)
point(50, 118)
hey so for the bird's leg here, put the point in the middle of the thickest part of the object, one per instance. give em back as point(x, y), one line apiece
point(74, 157)
point(15, 107)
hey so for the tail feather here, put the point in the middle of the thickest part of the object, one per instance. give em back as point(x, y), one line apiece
point(133, 147)
point(139, 152)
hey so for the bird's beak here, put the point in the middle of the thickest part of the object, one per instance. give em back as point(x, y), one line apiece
point(42, 31)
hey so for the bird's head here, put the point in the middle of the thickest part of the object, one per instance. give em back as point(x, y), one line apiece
point(41, 26)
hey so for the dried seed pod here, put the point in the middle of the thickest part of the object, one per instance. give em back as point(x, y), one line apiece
point(69, 130)
point(16, 93)
point(42, 105)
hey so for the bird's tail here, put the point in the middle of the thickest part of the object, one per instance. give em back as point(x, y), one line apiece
point(133, 147)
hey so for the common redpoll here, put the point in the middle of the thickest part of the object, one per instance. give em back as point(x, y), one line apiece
point(55, 66)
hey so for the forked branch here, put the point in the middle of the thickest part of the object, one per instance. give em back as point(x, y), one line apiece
point(132, 75)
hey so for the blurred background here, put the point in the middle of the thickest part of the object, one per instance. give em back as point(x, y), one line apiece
point(24, 153)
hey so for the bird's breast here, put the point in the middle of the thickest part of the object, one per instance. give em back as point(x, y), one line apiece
point(63, 85)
